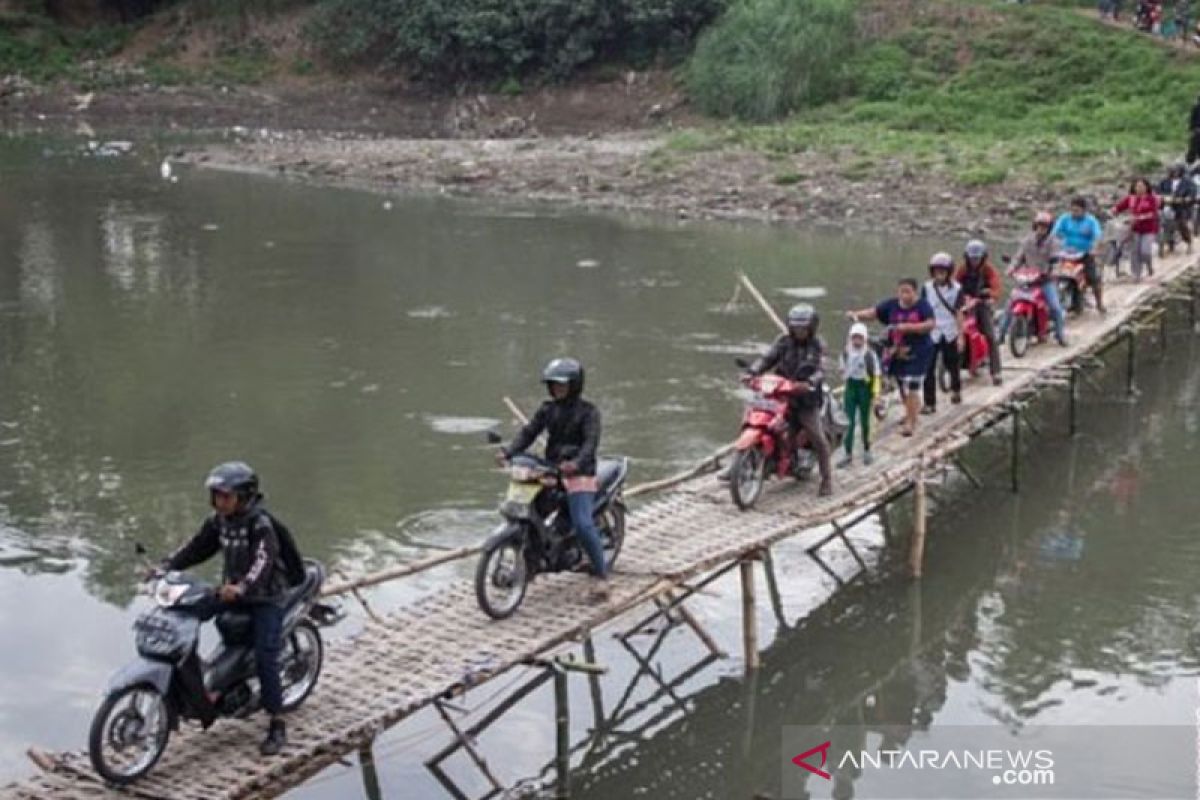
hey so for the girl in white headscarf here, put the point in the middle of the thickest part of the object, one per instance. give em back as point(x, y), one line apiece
point(861, 369)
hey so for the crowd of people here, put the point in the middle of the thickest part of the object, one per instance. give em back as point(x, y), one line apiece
point(1157, 17)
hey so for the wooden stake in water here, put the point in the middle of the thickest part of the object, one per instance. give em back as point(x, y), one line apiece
point(749, 617)
point(916, 555)
point(762, 302)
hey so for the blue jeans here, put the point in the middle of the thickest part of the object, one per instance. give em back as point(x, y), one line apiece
point(582, 506)
point(267, 620)
point(1050, 292)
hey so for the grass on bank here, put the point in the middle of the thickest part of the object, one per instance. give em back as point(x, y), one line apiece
point(982, 91)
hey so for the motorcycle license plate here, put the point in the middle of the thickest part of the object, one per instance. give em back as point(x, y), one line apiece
point(522, 492)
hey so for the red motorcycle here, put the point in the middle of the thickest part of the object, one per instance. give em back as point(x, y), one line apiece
point(1030, 316)
point(978, 351)
point(765, 444)
point(1072, 280)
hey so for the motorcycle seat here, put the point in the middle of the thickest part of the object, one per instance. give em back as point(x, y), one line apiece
point(611, 471)
point(237, 626)
point(314, 576)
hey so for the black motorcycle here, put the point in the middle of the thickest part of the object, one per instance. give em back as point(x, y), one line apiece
point(537, 536)
point(145, 700)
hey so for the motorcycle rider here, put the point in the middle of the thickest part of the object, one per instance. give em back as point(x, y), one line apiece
point(946, 298)
point(261, 562)
point(981, 281)
point(799, 355)
point(1039, 250)
point(1178, 192)
point(1081, 232)
point(573, 436)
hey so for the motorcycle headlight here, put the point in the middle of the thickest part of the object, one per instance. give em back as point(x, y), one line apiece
point(168, 594)
point(523, 474)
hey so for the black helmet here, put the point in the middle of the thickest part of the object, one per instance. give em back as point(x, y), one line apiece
point(803, 316)
point(564, 370)
point(1178, 170)
point(233, 476)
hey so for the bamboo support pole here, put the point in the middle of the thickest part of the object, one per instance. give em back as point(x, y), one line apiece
point(370, 774)
point(749, 617)
point(762, 302)
point(1072, 402)
point(400, 571)
point(515, 410)
point(701, 632)
point(589, 652)
point(562, 734)
point(916, 556)
point(768, 562)
point(468, 746)
point(1130, 361)
point(1015, 454)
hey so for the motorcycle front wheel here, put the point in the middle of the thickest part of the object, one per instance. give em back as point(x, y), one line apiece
point(1018, 340)
point(501, 576)
point(747, 476)
point(300, 664)
point(129, 733)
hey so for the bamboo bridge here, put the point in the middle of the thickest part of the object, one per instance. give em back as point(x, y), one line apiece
point(676, 542)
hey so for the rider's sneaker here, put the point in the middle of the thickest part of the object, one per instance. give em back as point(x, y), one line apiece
point(276, 738)
point(845, 461)
point(599, 592)
point(955, 397)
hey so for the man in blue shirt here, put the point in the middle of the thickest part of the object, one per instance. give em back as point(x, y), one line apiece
point(1081, 232)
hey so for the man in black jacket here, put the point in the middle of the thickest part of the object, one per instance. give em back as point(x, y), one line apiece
point(255, 575)
point(799, 355)
point(1193, 152)
point(1179, 193)
point(572, 427)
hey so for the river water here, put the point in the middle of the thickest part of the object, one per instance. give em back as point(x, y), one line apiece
point(354, 348)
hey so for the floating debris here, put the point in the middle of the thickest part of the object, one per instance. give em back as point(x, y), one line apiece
point(460, 425)
point(164, 169)
point(587, 263)
point(805, 292)
point(429, 312)
point(210, 226)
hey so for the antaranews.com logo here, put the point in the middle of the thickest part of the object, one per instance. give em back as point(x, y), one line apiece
point(1008, 767)
point(877, 761)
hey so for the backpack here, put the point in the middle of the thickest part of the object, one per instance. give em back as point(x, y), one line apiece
point(289, 554)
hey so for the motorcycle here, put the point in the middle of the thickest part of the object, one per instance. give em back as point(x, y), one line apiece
point(170, 680)
point(1072, 280)
point(978, 350)
point(763, 448)
point(536, 535)
point(1028, 310)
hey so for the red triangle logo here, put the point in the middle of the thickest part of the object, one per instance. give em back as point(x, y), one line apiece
point(802, 760)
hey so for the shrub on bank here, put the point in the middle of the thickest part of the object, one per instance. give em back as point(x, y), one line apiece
point(447, 40)
point(767, 58)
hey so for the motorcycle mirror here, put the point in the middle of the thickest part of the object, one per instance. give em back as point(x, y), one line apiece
point(494, 438)
point(741, 362)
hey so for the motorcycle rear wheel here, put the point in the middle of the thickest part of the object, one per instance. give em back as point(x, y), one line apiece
point(747, 476)
point(611, 524)
point(1018, 341)
point(134, 717)
point(300, 664)
point(501, 577)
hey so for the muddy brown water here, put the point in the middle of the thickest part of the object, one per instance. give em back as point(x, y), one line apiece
point(354, 348)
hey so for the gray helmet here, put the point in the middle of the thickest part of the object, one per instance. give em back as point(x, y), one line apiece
point(941, 261)
point(564, 370)
point(976, 249)
point(233, 476)
point(803, 315)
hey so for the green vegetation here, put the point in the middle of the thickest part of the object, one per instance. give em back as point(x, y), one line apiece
point(493, 39)
point(982, 91)
point(767, 58)
point(33, 46)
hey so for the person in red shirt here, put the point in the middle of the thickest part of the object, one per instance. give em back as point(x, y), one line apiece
point(981, 281)
point(1142, 205)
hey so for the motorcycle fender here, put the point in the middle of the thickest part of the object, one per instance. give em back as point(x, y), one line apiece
point(749, 439)
point(143, 670)
point(510, 531)
point(1022, 308)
